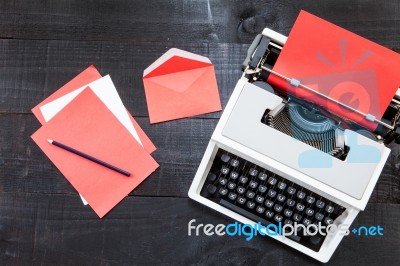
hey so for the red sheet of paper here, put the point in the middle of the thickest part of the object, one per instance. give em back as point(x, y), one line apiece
point(340, 64)
point(181, 87)
point(90, 74)
point(93, 129)
point(147, 143)
point(85, 77)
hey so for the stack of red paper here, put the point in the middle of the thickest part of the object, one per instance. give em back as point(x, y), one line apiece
point(88, 114)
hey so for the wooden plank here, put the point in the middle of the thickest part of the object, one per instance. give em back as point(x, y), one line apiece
point(180, 147)
point(33, 70)
point(181, 144)
point(57, 229)
point(211, 21)
point(42, 220)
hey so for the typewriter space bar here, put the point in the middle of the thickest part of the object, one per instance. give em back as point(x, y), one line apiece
point(243, 212)
point(252, 216)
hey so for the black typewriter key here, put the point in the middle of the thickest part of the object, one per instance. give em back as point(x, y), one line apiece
point(262, 176)
point(287, 221)
point(262, 189)
point(269, 203)
point(225, 170)
point(278, 208)
point(235, 163)
point(253, 172)
point(225, 158)
point(260, 199)
point(250, 194)
point(253, 184)
point(315, 240)
point(291, 190)
point(272, 181)
point(310, 199)
point(328, 221)
point(241, 190)
point(290, 202)
point(310, 212)
point(319, 216)
point(294, 237)
point(300, 231)
point(243, 179)
point(223, 191)
point(260, 195)
point(234, 175)
point(278, 218)
point(231, 185)
point(212, 177)
point(211, 188)
point(241, 200)
point(250, 205)
point(281, 185)
point(301, 195)
point(260, 209)
point(299, 207)
point(320, 204)
point(306, 222)
point(329, 209)
point(297, 217)
point(287, 213)
point(223, 181)
point(271, 193)
point(232, 196)
point(269, 214)
point(340, 210)
point(313, 229)
point(281, 198)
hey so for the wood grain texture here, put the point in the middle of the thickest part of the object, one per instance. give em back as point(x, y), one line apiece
point(227, 21)
point(43, 44)
point(180, 147)
point(33, 70)
point(51, 229)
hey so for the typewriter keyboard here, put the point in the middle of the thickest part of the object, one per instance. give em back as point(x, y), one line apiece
point(265, 197)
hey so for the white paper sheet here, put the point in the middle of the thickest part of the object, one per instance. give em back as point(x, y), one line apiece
point(104, 88)
point(83, 200)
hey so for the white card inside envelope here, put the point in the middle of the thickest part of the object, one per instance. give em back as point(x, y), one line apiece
point(175, 52)
point(104, 89)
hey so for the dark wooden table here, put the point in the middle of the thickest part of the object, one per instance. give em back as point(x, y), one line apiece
point(45, 43)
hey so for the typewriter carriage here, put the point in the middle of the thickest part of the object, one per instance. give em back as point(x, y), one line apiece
point(292, 119)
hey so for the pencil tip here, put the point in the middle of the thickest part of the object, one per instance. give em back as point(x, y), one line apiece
point(50, 141)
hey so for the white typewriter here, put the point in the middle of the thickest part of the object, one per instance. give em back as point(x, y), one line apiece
point(275, 159)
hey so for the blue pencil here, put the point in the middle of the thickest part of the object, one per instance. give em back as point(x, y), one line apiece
point(86, 156)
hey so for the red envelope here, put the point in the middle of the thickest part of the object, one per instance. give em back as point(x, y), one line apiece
point(94, 130)
point(85, 77)
point(341, 65)
point(180, 84)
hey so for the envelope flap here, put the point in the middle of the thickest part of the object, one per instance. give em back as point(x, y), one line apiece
point(174, 52)
point(179, 81)
point(176, 64)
